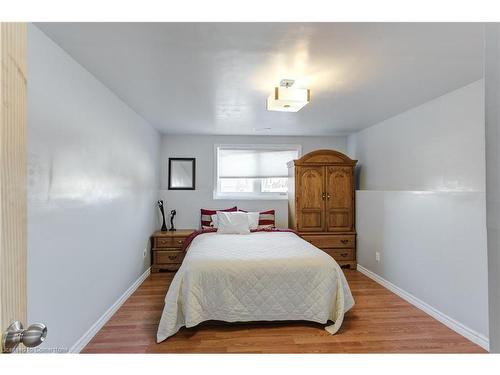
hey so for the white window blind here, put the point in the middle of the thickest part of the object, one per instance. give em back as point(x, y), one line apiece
point(254, 163)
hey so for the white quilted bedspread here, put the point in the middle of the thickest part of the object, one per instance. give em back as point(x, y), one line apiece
point(252, 277)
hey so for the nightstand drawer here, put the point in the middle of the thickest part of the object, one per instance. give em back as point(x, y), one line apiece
point(330, 241)
point(167, 257)
point(169, 241)
point(340, 254)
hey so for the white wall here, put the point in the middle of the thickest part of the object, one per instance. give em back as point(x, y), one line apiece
point(188, 202)
point(492, 82)
point(92, 187)
point(421, 204)
point(436, 146)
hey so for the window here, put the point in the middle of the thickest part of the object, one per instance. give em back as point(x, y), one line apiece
point(253, 171)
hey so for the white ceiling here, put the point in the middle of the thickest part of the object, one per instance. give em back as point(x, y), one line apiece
point(214, 78)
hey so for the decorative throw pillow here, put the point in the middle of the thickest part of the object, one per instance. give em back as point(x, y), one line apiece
point(267, 219)
point(232, 223)
point(206, 216)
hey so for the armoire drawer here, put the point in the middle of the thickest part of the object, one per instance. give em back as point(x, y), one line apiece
point(331, 240)
point(166, 257)
point(340, 254)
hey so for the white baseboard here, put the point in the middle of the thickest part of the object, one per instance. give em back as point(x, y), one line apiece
point(451, 323)
point(85, 339)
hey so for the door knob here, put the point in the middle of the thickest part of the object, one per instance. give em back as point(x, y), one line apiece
point(33, 336)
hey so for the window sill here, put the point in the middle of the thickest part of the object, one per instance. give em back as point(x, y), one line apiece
point(250, 197)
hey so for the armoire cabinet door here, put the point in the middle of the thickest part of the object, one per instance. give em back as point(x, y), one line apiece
point(310, 205)
point(339, 199)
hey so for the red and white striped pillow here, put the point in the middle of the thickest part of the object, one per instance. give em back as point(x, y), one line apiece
point(206, 216)
point(267, 219)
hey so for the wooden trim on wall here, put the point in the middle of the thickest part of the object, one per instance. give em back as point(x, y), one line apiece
point(13, 172)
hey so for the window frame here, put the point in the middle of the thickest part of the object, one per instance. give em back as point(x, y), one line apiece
point(217, 195)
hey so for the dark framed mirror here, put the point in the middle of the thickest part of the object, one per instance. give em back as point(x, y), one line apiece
point(181, 173)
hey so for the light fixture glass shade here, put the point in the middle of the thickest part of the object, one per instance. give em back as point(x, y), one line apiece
point(288, 99)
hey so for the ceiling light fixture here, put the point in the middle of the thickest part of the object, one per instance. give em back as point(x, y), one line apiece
point(288, 99)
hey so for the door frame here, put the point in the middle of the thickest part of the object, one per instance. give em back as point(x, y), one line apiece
point(13, 174)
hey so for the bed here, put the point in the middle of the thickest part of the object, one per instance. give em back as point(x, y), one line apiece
point(261, 276)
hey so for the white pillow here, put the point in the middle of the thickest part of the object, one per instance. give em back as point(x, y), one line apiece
point(232, 223)
point(215, 223)
point(253, 219)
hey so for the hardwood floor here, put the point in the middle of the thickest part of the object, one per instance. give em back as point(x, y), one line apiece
point(380, 322)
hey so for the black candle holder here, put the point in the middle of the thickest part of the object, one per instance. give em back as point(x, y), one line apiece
point(164, 225)
point(172, 215)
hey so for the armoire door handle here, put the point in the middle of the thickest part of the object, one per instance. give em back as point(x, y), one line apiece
point(328, 196)
point(323, 196)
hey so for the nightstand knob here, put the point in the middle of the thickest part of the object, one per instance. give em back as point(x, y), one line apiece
point(180, 242)
point(344, 241)
point(171, 257)
point(344, 254)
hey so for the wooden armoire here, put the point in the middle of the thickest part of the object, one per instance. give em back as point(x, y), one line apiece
point(321, 203)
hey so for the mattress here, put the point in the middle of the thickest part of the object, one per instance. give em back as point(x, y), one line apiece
point(262, 276)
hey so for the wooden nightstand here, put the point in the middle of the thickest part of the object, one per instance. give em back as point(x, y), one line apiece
point(166, 249)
